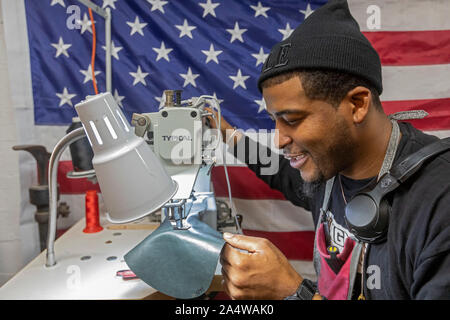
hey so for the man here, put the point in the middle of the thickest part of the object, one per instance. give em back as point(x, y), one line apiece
point(322, 87)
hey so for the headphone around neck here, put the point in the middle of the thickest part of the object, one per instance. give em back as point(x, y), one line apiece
point(367, 213)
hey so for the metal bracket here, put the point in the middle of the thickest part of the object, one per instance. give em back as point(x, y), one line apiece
point(141, 123)
point(94, 7)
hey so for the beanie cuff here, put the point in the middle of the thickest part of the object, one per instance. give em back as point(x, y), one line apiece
point(330, 52)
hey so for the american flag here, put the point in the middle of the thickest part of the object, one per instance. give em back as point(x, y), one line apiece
point(217, 47)
point(202, 47)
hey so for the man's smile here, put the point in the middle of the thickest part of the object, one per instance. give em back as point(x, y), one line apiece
point(297, 160)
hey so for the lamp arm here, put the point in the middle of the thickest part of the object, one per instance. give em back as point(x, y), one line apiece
point(53, 189)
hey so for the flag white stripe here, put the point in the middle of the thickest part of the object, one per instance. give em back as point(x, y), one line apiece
point(416, 82)
point(273, 215)
point(440, 134)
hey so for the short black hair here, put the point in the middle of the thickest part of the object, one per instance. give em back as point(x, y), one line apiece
point(327, 85)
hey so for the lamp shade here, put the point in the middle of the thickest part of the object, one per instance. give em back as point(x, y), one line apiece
point(132, 180)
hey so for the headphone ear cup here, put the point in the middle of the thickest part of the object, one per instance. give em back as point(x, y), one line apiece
point(368, 218)
point(382, 224)
point(361, 215)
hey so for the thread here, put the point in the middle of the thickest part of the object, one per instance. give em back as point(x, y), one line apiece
point(92, 213)
point(94, 48)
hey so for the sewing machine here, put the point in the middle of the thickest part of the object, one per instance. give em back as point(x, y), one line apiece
point(180, 136)
point(180, 139)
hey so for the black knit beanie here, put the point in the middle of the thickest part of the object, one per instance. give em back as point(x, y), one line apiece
point(328, 39)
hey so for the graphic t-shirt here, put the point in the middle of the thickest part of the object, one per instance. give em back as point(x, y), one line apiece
point(336, 209)
point(344, 189)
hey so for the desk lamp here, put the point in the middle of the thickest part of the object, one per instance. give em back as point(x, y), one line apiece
point(133, 182)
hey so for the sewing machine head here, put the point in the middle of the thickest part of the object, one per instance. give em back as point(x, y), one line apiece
point(182, 140)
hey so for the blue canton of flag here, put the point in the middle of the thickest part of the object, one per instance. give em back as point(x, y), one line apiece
point(213, 47)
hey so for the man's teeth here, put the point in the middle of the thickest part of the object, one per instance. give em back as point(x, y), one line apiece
point(296, 157)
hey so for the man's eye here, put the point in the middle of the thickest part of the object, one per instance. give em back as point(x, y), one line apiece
point(292, 122)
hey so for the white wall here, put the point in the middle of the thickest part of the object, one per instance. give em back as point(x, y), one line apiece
point(15, 57)
point(10, 244)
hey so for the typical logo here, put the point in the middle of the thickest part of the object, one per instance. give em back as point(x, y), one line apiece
point(177, 138)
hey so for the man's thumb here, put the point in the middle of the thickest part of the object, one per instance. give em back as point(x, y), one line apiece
point(238, 241)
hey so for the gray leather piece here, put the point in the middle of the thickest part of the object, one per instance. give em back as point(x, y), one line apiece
point(179, 263)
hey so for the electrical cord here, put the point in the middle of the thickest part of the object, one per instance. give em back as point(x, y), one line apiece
point(94, 49)
point(212, 101)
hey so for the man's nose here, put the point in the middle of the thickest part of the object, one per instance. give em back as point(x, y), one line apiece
point(281, 138)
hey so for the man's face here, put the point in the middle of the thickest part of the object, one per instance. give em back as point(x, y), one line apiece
point(315, 136)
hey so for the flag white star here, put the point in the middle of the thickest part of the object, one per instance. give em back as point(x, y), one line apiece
point(217, 99)
point(262, 104)
point(211, 54)
point(239, 80)
point(118, 98)
point(308, 11)
point(163, 52)
point(136, 26)
point(260, 10)
point(61, 48)
point(60, 2)
point(65, 97)
point(189, 78)
point(286, 32)
point(109, 3)
point(208, 8)
point(139, 76)
point(236, 33)
point(88, 73)
point(185, 29)
point(260, 56)
point(85, 24)
point(114, 50)
point(161, 100)
point(157, 5)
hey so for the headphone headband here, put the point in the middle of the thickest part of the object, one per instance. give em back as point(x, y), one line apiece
point(413, 162)
point(367, 214)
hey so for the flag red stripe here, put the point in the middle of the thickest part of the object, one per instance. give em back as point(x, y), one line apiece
point(407, 48)
point(295, 245)
point(438, 109)
point(244, 184)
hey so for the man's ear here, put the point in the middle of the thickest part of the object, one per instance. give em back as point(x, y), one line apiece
point(359, 99)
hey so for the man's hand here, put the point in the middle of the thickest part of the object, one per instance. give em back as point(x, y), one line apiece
point(224, 125)
point(259, 272)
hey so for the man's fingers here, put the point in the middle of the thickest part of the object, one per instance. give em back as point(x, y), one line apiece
point(213, 112)
point(233, 291)
point(232, 257)
point(210, 119)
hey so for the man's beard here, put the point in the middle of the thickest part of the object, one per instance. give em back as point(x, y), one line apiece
point(309, 189)
point(340, 153)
